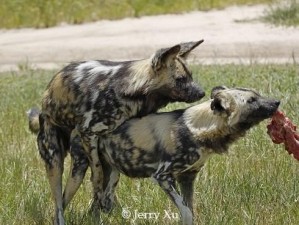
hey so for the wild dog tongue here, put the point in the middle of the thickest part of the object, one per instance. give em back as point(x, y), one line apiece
point(282, 130)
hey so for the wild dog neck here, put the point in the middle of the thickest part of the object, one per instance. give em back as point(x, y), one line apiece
point(142, 83)
point(139, 79)
point(210, 129)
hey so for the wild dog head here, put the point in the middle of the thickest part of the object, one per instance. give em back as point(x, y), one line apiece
point(242, 107)
point(173, 78)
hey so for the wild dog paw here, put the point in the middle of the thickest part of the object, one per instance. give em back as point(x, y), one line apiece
point(94, 210)
point(108, 203)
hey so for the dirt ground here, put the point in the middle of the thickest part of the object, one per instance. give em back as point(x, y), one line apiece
point(231, 35)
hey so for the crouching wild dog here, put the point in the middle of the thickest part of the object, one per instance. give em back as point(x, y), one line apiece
point(87, 100)
point(172, 147)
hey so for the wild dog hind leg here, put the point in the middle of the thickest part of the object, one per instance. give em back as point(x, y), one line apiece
point(111, 178)
point(52, 144)
point(79, 165)
point(167, 183)
point(90, 144)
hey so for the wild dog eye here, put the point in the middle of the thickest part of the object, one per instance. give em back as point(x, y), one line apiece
point(251, 100)
point(181, 79)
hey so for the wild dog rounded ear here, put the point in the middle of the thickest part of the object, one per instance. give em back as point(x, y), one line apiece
point(187, 47)
point(163, 55)
point(217, 89)
point(216, 105)
point(221, 103)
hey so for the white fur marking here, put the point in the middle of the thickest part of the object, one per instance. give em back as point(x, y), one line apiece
point(165, 164)
point(99, 127)
point(152, 165)
point(88, 117)
point(78, 76)
point(51, 151)
point(94, 68)
point(104, 69)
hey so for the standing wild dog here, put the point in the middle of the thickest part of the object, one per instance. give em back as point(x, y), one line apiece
point(87, 100)
point(173, 146)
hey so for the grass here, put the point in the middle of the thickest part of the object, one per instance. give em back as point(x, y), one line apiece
point(255, 183)
point(285, 13)
point(37, 13)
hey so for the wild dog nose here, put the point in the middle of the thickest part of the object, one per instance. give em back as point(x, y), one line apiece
point(201, 94)
point(194, 92)
point(198, 94)
point(277, 103)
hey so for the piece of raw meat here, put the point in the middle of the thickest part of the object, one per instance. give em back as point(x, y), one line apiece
point(282, 130)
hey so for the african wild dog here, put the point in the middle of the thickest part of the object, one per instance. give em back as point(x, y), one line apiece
point(87, 100)
point(172, 147)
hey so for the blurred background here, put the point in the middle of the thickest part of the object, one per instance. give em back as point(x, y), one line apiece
point(47, 13)
point(49, 33)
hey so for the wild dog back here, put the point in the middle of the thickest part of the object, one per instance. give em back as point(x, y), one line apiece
point(137, 146)
point(101, 94)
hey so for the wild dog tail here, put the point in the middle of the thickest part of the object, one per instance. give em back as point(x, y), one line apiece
point(33, 117)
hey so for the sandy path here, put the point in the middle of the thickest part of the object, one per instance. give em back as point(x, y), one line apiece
point(225, 39)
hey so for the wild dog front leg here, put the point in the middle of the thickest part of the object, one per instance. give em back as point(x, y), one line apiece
point(79, 165)
point(167, 183)
point(186, 183)
point(51, 149)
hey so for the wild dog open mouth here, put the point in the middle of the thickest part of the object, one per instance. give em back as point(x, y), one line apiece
point(282, 130)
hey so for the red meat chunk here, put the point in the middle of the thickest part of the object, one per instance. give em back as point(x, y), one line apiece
point(282, 130)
